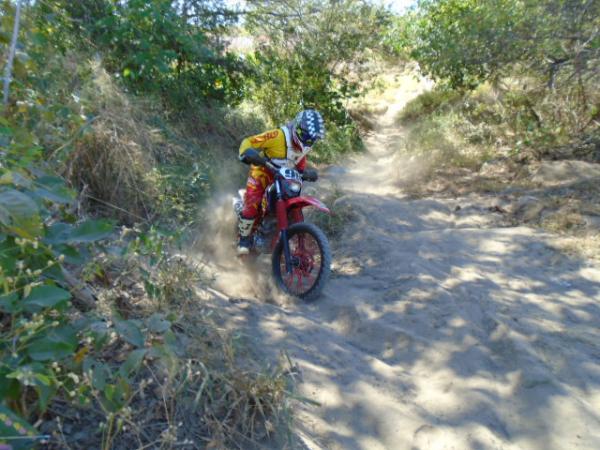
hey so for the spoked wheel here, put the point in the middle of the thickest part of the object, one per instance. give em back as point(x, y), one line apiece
point(311, 261)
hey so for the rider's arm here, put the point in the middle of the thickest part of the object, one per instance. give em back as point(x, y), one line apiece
point(301, 165)
point(308, 174)
point(270, 144)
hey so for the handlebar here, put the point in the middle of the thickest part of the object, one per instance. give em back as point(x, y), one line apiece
point(251, 156)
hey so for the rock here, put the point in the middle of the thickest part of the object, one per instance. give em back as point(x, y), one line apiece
point(556, 173)
point(528, 208)
point(497, 209)
point(494, 167)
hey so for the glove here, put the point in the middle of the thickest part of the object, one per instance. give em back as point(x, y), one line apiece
point(310, 175)
point(251, 156)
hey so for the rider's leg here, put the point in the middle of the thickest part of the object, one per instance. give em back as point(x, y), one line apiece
point(258, 179)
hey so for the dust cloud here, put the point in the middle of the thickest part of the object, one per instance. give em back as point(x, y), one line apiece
point(236, 278)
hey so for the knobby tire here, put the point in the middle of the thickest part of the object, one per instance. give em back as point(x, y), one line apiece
point(300, 231)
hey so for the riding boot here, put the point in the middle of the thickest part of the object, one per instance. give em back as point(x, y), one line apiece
point(244, 230)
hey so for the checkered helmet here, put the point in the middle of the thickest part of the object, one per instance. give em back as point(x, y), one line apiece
point(307, 128)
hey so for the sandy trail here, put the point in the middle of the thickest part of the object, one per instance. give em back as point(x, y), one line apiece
point(440, 328)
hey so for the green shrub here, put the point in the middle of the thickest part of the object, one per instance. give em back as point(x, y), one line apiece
point(339, 142)
point(151, 46)
point(108, 363)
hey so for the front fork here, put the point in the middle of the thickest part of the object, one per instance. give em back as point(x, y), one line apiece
point(282, 222)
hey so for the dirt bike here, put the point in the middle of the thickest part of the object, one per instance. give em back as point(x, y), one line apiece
point(301, 257)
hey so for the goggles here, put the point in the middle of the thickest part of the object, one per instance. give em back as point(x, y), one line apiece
point(304, 137)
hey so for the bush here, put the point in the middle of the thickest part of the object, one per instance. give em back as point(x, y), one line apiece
point(545, 80)
point(97, 329)
point(143, 343)
point(152, 45)
point(339, 142)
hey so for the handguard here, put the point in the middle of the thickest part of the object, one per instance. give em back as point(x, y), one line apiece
point(251, 156)
point(310, 175)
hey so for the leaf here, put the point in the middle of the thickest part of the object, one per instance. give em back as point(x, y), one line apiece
point(91, 230)
point(31, 375)
point(64, 197)
point(13, 425)
point(81, 354)
point(54, 189)
point(4, 216)
point(152, 290)
point(55, 233)
point(130, 332)
point(99, 331)
point(165, 355)
point(86, 232)
point(23, 212)
point(46, 296)
point(100, 372)
point(158, 324)
point(116, 395)
point(8, 303)
point(45, 395)
point(9, 388)
point(57, 344)
point(16, 179)
point(133, 362)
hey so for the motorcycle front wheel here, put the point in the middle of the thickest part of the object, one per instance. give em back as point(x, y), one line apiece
point(311, 262)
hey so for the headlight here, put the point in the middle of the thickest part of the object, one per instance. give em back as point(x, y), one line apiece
point(295, 186)
point(292, 188)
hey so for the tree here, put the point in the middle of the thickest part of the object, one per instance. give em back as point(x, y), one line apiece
point(11, 54)
point(312, 53)
point(465, 42)
point(170, 47)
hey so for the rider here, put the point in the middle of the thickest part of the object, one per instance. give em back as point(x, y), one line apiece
point(286, 146)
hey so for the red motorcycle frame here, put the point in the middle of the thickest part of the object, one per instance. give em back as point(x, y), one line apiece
point(301, 257)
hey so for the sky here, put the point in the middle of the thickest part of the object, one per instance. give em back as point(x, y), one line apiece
point(400, 5)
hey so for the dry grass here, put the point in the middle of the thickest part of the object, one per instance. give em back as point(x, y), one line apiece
point(134, 161)
point(200, 385)
point(114, 163)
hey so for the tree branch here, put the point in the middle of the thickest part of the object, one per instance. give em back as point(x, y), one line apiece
point(11, 54)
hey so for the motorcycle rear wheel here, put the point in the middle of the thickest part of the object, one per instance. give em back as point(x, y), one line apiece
point(311, 262)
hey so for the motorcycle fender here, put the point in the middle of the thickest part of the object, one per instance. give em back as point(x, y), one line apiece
point(302, 202)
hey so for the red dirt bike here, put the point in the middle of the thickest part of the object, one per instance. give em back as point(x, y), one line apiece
point(301, 257)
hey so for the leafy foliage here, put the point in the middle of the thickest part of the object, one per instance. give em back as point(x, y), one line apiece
point(313, 54)
point(38, 335)
point(153, 45)
point(467, 42)
point(540, 58)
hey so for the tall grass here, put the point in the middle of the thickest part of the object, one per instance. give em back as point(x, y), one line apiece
point(136, 162)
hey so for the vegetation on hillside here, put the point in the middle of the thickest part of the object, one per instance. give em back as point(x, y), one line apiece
point(519, 77)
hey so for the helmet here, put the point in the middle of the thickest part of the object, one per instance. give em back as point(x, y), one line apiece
point(307, 128)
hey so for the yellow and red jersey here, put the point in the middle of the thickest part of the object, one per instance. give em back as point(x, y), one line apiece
point(277, 145)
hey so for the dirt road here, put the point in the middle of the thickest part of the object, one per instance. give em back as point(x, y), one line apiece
point(441, 327)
